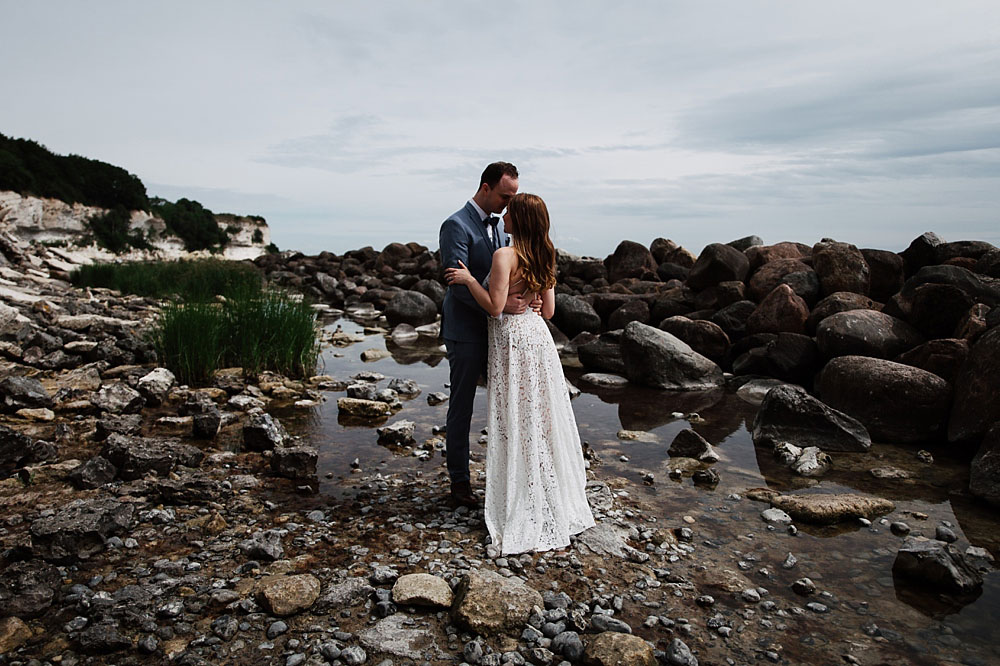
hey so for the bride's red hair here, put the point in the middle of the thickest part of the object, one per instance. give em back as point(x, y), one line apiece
point(531, 241)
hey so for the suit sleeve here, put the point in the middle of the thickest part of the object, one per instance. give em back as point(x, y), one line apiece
point(454, 244)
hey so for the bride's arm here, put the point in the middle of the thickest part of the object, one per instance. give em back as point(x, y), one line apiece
point(548, 303)
point(494, 300)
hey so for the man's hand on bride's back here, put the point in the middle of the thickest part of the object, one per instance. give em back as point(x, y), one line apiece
point(516, 304)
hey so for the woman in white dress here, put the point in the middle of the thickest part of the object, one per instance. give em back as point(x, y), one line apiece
point(535, 476)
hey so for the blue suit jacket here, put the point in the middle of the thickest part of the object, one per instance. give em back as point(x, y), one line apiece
point(463, 237)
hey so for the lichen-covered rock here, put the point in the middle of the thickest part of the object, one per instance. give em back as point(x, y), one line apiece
point(288, 595)
point(421, 589)
point(827, 509)
point(118, 398)
point(487, 603)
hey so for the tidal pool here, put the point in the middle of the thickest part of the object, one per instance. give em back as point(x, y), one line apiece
point(850, 563)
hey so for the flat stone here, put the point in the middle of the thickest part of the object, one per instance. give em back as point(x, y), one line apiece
point(487, 603)
point(80, 529)
point(604, 380)
point(363, 408)
point(397, 636)
point(827, 509)
point(351, 592)
point(421, 589)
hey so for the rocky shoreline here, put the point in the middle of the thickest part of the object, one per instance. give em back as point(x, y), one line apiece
point(145, 522)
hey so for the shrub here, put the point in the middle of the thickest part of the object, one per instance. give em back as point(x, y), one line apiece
point(195, 280)
point(111, 230)
point(192, 223)
point(257, 331)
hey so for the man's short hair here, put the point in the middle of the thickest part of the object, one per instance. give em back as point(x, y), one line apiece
point(494, 172)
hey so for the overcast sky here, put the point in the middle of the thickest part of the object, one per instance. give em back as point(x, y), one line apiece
point(360, 123)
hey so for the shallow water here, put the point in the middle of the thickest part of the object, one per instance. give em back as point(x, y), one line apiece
point(850, 561)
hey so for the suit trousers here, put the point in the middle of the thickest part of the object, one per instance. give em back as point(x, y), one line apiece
point(467, 363)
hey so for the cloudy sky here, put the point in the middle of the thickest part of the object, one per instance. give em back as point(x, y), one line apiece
point(360, 123)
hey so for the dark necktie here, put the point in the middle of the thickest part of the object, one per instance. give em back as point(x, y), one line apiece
point(492, 222)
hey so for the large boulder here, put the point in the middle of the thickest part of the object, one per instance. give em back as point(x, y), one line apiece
point(758, 255)
point(411, 307)
point(921, 252)
point(887, 273)
point(392, 255)
point(629, 260)
point(782, 310)
point(81, 528)
point(656, 358)
point(792, 357)
point(936, 309)
point(603, 354)
point(703, 336)
point(733, 318)
point(432, 289)
point(984, 474)
point(865, 333)
point(944, 357)
point(965, 249)
point(633, 310)
point(979, 288)
point(717, 263)
point(841, 267)
point(790, 414)
point(936, 564)
point(135, 457)
point(977, 388)
point(895, 402)
point(842, 301)
point(489, 604)
point(573, 315)
point(665, 250)
point(769, 276)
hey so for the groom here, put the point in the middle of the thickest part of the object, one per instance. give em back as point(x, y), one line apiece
point(471, 235)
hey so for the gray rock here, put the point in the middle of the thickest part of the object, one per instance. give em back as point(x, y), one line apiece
point(984, 474)
point(895, 402)
point(397, 635)
point(573, 315)
point(27, 589)
point(93, 474)
point(658, 359)
point(18, 450)
point(263, 432)
point(134, 457)
point(601, 622)
point(830, 508)
point(717, 263)
point(225, 627)
point(19, 392)
point(569, 645)
point(354, 655)
point(295, 462)
point(679, 654)
point(156, 385)
point(436, 398)
point(80, 528)
point(689, 444)
point(103, 637)
point(865, 333)
point(804, 586)
point(118, 398)
point(351, 592)
point(124, 424)
point(399, 433)
point(263, 545)
point(937, 564)
point(776, 517)
point(410, 307)
point(789, 414)
point(406, 387)
point(811, 462)
point(206, 425)
point(604, 380)
point(603, 354)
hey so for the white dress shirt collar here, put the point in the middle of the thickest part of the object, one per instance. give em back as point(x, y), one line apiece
point(482, 213)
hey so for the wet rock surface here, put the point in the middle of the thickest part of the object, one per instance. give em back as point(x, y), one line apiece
point(169, 566)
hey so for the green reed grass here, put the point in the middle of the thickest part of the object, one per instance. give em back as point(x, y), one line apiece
point(255, 330)
point(191, 280)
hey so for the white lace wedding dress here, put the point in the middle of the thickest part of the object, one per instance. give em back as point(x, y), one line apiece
point(535, 477)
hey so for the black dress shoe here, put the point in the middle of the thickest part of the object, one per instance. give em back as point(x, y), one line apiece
point(461, 494)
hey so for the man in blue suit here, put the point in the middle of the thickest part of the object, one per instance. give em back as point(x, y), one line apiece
point(471, 235)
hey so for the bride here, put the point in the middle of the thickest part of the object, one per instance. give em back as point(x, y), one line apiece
point(535, 476)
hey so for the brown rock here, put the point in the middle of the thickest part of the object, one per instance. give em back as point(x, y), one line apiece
point(865, 333)
point(611, 648)
point(421, 589)
point(780, 311)
point(886, 273)
point(487, 603)
point(717, 263)
point(759, 255)
point(828, 509)
point(842, 301)
point(629, 260)
point(976, 405)
point(973, 323)
point(701, 335)
point(841, 267)
point(288, 595)
point(13, 634)
point(895, 402)
point(943, 357)
point(769, 275)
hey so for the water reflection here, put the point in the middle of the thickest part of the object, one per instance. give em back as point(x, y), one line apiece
point(850, 560)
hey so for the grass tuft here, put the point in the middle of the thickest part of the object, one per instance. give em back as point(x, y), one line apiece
point(191, 280)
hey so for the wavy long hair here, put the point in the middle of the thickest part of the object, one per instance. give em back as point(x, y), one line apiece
point(531, 241)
